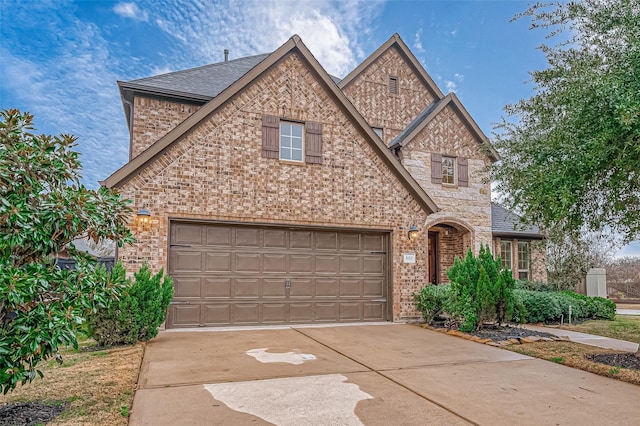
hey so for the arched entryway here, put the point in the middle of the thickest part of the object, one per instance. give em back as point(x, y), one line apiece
point(446, 240)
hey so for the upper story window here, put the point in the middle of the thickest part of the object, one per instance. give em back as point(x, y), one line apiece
point(378, 131)
point(505, 254)
point(449, 170)
point(291, 146)
point(524, 260)
point(393, 85)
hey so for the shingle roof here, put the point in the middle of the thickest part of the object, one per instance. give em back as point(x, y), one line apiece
point(415, 123)
point(504, 222)
point(208, 80)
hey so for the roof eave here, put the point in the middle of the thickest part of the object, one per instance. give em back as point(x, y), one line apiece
point(516, 234)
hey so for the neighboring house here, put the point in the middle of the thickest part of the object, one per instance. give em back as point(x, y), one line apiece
point(281, 194)
point(104, 253)
point(521, 247)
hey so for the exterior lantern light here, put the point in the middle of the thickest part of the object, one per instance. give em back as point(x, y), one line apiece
point(143, 215)
point(413, 232)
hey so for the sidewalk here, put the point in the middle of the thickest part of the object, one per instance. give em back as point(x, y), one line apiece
point(628, 311)
point(588, 339)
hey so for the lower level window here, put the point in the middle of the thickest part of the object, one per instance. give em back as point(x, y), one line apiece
point(505, 254)
point(524, 261)
point(291, 141)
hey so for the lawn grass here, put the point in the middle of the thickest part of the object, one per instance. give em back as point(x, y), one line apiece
point(96, 387)
point(624, 327)
point(572, 354)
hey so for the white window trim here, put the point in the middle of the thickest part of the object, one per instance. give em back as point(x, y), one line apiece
point(528, 269)
point(291, 123)
point(455, 170)
point(510, 251)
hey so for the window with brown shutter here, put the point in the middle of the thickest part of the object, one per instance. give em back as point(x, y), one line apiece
point(436, 167)
point(393, 85)
point(270, 136)
point(463, 172)
point(313, 142)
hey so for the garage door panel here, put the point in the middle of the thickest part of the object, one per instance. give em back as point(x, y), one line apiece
point(227, 274)
point(350, 287)
point(187, 234)
point(373, 287)
point(301, 263)
point(301, 312)
point(327, 311)
point(217, 314)
point(373, 311)
point(373, 265)
point(247, 262)
point(326, 287)
point(349, 242)
point(274, 263)
point(185, 315)
point(275, 238)
point(326, 264)
point(350, 264)
point(273, 288)
point(326, 241)
point(274, 313)
point(301, 287)
point(186, 261)
point(300, 239)
point(219, 236)
point(217, 288)
point(217, 262)
point(246, 287)
point(186, 287)
point(246, 313)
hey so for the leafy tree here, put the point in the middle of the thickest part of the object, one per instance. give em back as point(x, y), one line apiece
point(42, 208)
point(570, 153)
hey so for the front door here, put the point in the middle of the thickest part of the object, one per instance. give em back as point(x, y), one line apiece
point(432, 249)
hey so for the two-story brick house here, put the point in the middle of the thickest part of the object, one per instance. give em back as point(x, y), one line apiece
point(281, 194)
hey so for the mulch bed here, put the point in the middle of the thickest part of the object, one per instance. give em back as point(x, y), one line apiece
point(29, 413)
point(626, 360)
point(501, 333)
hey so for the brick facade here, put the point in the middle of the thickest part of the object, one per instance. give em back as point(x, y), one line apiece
point(217, 172)
point(369, 93)
point(538, 263)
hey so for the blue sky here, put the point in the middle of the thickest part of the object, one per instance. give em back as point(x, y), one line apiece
point(60, 60)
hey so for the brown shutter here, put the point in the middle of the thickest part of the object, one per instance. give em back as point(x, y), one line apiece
point(463, 172)
point(270, 136)
point(436, 167)
point(313, 142)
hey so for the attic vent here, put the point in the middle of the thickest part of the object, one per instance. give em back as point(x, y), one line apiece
point(393, 85)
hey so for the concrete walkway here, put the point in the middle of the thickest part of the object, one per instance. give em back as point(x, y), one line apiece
point(588, 339)
point(364, 375)
point(628, 311)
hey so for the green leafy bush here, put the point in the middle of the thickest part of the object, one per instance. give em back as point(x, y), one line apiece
point(548, 306)
point(431, 301)
point(139, 311)
point(597, 307)
point(481, 290)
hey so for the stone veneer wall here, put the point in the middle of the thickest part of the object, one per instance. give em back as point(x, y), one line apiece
point(216, 172)
point(369, 93)
point(153, 118)
point(468, 206)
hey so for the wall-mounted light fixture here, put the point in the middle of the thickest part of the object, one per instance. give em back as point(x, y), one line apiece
point(143, 215)
point(413, 232)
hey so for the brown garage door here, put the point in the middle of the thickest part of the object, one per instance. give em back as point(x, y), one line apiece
point(242, 275)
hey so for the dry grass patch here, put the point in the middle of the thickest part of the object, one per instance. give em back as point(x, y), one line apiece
point(572, 354)
point(97, 387)
point(624, 327)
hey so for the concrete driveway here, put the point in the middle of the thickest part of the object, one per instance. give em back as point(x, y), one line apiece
point(364, 374)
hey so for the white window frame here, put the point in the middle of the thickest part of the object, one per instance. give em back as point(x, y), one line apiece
point(524, 269)
point(286, 144)
point(454, 176)
point(506, 262)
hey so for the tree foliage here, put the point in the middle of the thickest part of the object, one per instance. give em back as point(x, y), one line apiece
point(43, 207)
point(571, 153)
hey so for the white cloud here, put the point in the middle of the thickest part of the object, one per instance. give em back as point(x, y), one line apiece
point(459, 77)
point(450, 86)
point(131, 10)
point(417, 42)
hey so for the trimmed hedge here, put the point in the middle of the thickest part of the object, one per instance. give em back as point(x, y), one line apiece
point(552, 306)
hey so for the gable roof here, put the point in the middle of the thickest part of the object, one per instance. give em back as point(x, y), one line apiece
point(294, 44)
point(507, 224)
point(431, 111)
point(395, 41)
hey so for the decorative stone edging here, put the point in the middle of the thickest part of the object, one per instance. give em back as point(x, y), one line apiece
point(499, 343)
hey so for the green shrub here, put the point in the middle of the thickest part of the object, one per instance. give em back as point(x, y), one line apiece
point(431, 300)
point(597, 307)
point(553, 306)
point(480, 290)
point(535, 285)
point(138, 313)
